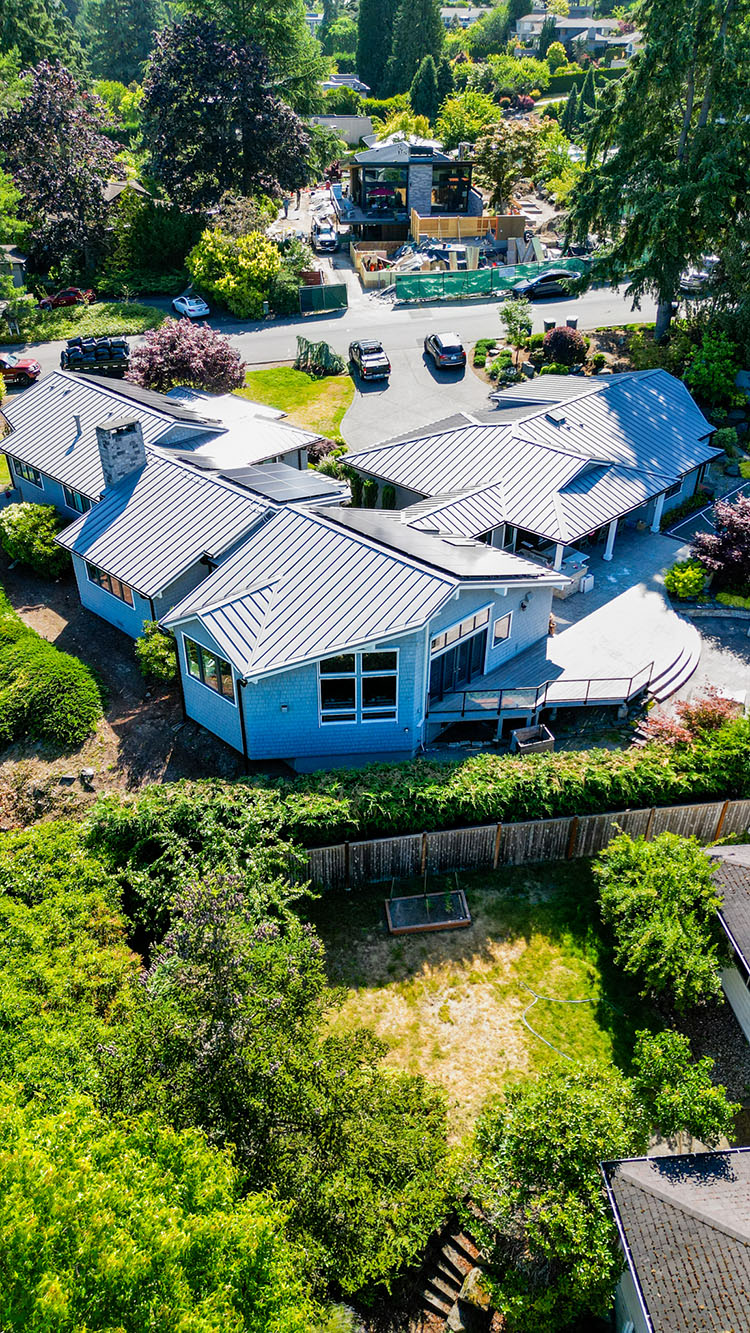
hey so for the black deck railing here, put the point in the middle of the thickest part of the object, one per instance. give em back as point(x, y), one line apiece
point(552, 694)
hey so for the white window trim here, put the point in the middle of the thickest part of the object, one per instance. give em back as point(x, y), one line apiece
point(360, 719)
point(507, 615)
point(217, 694)
point(464, 638)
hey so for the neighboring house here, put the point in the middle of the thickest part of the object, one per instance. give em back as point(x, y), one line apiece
point(313, 22)
point(463, 16)
point(568, 460)
point(578, 25)
point(324, 636)
point(392, 178)
point(113, 190)
point(351, 129)
point(732, 874)
point(13, 264)
point(684, 1225)
point(345, 81)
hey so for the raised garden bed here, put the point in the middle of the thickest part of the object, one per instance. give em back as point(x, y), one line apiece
point(532, 740)
point(448, 910)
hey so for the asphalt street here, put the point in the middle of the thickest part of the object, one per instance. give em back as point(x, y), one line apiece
point(416, 394)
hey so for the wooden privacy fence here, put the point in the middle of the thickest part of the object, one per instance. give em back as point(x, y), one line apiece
point(491, 845)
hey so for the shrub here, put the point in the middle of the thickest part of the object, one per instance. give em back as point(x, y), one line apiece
point(318, 359)
point(565, 346)
point(554, 368)
point(481, 349)
point(27, 534)
point(184, 353)
point(155, 653)
point(370, 493)
point(598, 361)
point(389, 497)
point(535, 341)
point(726, 439)
point(713, 368)
point(686, 578)
point(661, 900)
point(733, 599)
point(502, 363)
point(691, 503)
point(283, 294)
point(709, 713)
point(236, 270)
point(726, 551)
point(44, 694)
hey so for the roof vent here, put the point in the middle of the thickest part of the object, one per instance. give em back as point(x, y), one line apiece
point(557, 418)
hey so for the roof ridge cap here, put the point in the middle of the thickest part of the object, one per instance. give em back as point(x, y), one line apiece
point(411, 560)
point(666, 1196)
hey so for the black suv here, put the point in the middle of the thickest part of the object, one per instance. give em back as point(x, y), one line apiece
point(370, 359)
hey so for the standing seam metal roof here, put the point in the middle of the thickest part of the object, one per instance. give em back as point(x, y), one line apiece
point(158, 521)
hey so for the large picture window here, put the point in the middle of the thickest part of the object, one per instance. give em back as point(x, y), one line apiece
point(359, 687)
point(108, 583)
point(384, 189)
point(450, 188)
point(210, 669)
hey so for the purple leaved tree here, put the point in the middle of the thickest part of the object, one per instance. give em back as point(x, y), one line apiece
point(55, 149)
point(726, 552)
point(184, 353)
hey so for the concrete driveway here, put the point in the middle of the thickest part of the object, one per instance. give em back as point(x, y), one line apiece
point(415, 395)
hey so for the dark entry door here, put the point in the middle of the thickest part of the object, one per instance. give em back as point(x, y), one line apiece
point(456, 669)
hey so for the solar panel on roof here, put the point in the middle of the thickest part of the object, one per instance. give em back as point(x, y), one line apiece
point(279, 481)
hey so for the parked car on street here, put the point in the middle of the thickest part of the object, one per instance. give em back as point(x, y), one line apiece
point(324, 238)
point(695, 281)
point(370, 359)
point(193, 307)
point(553, 282)
point(68, 296)
point(446, 350)
point(20, 370)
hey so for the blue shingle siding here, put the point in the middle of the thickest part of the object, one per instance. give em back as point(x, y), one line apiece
point(217, 714)
point(116, 612)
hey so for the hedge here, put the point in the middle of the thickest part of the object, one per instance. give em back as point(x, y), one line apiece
point(384, 800)
point(44, 694)
point(564, 83)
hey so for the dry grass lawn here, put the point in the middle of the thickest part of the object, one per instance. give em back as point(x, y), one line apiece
point(450, 1004)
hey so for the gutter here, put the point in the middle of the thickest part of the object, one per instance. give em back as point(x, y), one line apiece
point(626, 1248)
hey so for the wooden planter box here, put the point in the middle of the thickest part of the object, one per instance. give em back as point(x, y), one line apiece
point(427, 911)
point(532, 740)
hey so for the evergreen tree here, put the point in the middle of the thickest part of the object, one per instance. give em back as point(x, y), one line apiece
point(278, 27)
point(39, 30)
point(119, 36)
point(588, 94)
point(445, 80)
point(547, 35)
point(418, 32)
point(374, 41)
point(423, 94)
point(570, 114)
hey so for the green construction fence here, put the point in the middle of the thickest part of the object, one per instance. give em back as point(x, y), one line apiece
point(333, 297)
point(473, 282)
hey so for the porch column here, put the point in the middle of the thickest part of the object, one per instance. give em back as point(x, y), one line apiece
point(559, 549)
point(611, 532)
point(659, 510)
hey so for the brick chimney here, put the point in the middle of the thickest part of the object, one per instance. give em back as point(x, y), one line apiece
point(121, 449)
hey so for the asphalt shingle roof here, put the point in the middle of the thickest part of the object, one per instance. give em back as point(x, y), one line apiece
point(732, 874)
point(685, 1223)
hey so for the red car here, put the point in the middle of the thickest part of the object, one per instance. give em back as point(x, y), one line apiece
point(68, 296)
point(20, 370)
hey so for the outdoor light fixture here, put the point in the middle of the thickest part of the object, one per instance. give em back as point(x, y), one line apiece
point(524, 603)
point(285, 708)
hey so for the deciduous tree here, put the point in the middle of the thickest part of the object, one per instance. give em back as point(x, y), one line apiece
point(183, 353)
point(506, 155)
point(669, 148)
point(677, 1092)
point(726, 550)
point(144, 1227)
point(549, 1234)
point(463, 118)
point(234, 1036)
point(516, 319)
point(60, 160)
point(211, 121)
point(417, 32)
point(661, 901)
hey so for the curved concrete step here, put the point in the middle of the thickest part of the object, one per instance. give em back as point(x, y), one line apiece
point(670, 683)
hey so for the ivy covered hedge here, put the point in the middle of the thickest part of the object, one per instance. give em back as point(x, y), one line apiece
point(170, 827)
point(44, 694)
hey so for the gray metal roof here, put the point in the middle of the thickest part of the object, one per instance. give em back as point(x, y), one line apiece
point(53, 425)
point(685, 1226)
point(562, 470)
point(399, 153)
point(289, 485)
point(303, 587)
point(159, 521)
point(458, 556)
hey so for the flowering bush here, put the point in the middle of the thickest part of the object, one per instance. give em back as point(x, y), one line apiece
point(686, 578)
point(236, 270)
point(27, 533)
point(565, 346)
point(184, 353)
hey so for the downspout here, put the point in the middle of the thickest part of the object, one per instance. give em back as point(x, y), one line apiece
point(240, 688)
